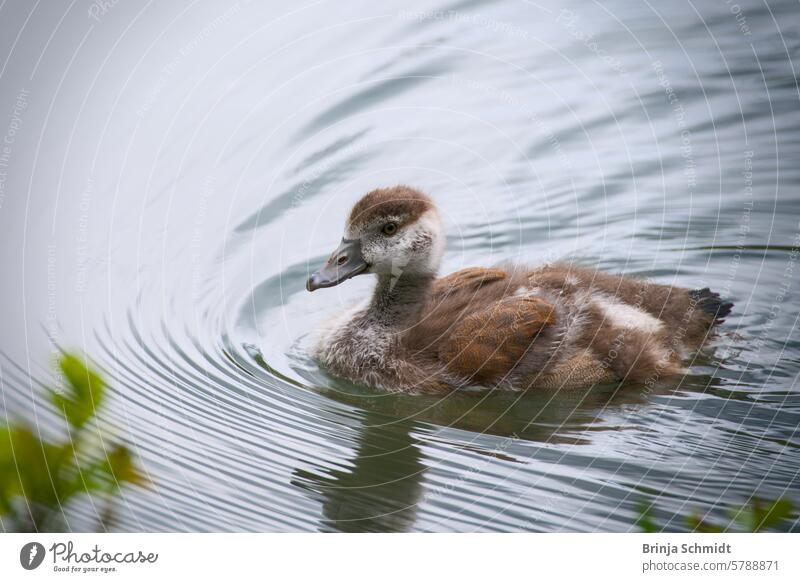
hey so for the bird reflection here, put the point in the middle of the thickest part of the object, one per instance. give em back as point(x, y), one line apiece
point(380, 491)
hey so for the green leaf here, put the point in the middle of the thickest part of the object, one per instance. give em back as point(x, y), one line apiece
point(123, 468)
point(85, 391)
point(8, 487)
point(31, 467)
point(39, 478)
point(645, 520)
point(76, 413)
point(86, 383)
point(764, 517)
point(118, 467)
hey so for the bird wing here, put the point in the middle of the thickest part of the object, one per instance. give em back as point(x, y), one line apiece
point(466, 280)
point(485, 346)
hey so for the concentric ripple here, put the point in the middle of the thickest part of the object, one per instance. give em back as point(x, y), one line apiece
point(171, 222)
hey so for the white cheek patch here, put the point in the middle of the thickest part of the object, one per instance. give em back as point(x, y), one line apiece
point(418, 246)
point(431, 224)
point(623, 315)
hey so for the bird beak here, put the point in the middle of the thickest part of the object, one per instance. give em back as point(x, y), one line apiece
point(345, 262)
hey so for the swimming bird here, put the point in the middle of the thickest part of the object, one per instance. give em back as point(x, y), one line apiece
point(510, 327)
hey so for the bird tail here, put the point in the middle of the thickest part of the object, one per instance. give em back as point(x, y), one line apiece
point(711, 303)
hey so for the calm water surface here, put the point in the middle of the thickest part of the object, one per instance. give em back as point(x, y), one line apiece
point(174, 173)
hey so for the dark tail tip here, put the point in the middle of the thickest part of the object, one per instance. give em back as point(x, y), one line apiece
point(711, 303)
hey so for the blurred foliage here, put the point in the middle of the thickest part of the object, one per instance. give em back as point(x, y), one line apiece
point(645, 520)
point(39, 478)
point(758, 515)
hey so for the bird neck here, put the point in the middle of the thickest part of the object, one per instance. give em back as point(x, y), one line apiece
point(398, 297)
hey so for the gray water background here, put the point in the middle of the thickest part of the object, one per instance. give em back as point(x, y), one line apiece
point(171, 173)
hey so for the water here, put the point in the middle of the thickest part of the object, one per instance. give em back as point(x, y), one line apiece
point(174, 173)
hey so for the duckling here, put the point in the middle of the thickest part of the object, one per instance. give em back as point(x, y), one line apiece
point(510, 327)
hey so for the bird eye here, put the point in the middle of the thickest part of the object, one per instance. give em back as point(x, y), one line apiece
point(389, 228)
